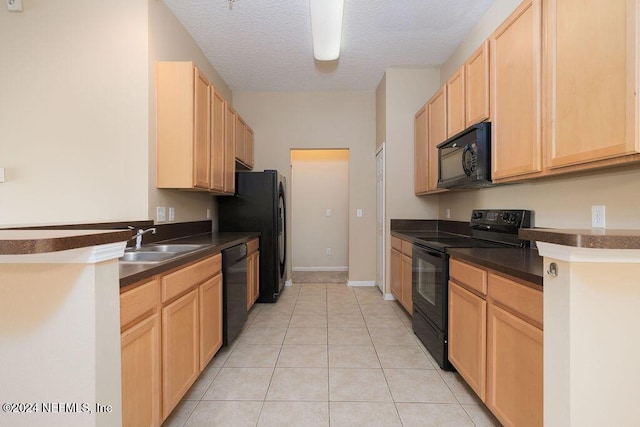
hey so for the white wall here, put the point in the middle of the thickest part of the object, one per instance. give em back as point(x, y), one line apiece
point(319, 181)
point(77, 111)
point(558, 202)
point(342, 120)
point(169, 41)
point(74, 111)
point(406, 90)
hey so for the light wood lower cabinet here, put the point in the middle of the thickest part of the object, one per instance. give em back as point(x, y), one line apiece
point(496, 341)
point(514, 369)
point(210, 299)
point(171, 327)
point(180, 349)
point(253, 272)
point(468, 337)
point(140, 355)
point(401, 272)
point(140, 347)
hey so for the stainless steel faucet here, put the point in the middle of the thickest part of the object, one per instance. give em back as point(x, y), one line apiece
point(139, 235)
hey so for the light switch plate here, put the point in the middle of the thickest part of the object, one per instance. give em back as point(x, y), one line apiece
point(161, 214)
point(359, 213)
point(598, 218)
point(172, 214)
point(328, 212)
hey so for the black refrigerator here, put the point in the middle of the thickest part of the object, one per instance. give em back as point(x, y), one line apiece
point(260, 205)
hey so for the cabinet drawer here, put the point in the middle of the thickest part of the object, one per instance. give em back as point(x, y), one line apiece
point(522, 299)
point(468, 275)
point(253, 246)
point(175, 283)
point(396, 243)
point(139, 301)
point(407, 248)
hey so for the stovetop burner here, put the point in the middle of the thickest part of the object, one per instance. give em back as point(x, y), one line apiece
point(490, 228)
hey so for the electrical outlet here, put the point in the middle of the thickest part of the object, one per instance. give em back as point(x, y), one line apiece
point(598, 218)
point(208, 213)
point(359, 213)
point(328, 251)
point(172, 214)
point(14, 5)
point(328, 212)
point(448, 213)
point(161, 214)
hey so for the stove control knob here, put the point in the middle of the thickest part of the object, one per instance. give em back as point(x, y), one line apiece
point(513, 217)
point(477, 215)
point(505, 216)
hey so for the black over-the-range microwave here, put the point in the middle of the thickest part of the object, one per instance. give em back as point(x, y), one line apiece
point(464, 160)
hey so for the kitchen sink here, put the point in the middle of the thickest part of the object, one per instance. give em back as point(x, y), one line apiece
point(172, 248)
point(147, 257)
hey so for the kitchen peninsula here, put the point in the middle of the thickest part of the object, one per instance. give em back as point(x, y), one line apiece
point(591, 300)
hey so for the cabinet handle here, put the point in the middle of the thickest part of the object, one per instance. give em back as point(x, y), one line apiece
point(553, 270)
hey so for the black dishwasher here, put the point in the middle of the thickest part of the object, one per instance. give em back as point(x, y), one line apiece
point(234, 294)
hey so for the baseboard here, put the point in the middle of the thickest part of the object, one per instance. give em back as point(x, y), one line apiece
point(389, 297)
point(287, 282)
point(361, 283)
point(320, 269)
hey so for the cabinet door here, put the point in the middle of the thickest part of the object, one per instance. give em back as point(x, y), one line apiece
point(591, 110)
point(240, 135)
point(420, 153)
point(250, 278)
point(515, 89)
point(218, 163)
point(202, 137)
point(468, 337)
point(140, 353)
point(248, 146)
point(455, 103)
point(256, 278)
point(210, 300)
point(407, 295)
point(437, 133)
point(180, 349)
point(229, 149)
point(514, 369)
point(396, 274)
point(476, 86)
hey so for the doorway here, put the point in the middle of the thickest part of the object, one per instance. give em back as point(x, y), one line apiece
point(320, 215)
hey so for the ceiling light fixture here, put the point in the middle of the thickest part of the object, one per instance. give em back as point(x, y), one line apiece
point(326, 28)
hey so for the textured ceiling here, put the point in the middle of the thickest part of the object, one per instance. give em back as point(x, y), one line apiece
point(265, 45)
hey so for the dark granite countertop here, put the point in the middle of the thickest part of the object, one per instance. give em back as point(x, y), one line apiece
point(131, 272)
point(23, 242)
point(599, 238)
point(524, 264)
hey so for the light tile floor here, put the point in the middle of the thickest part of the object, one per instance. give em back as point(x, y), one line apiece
point(328, 355)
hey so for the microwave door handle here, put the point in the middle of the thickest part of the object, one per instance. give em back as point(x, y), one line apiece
point(467, 151)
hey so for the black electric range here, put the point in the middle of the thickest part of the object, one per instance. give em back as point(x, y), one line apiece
point(490, 228)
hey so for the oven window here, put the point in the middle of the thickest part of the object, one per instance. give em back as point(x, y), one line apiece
point(425, 276)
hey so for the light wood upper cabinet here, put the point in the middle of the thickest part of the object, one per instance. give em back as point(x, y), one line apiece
point(191, 122)
point(244, 143)
point(218, 161)
point(515, 93)
point(476, 86)
point(248, 146)
point(591, 77)
point(456, 103)
point(436, 133)
point(229, 149)
point(420, 152)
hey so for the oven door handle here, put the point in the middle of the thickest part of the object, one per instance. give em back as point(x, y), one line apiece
point(428, 251)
